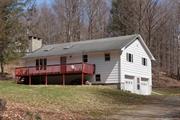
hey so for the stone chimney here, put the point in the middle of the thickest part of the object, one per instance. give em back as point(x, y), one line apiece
point(34, 43)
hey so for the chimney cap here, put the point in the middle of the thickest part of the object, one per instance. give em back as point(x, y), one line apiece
point(30, 37)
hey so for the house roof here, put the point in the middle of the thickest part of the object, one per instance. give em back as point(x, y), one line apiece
point(104, 44)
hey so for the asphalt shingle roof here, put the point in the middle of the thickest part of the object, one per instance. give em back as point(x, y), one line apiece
point(113, 43)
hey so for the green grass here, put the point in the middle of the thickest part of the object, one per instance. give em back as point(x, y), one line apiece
point(168, 91)
point(92, 100)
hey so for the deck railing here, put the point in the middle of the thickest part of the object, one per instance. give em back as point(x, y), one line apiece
point(55, 69)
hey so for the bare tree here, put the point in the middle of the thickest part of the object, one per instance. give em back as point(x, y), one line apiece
point(97, 12)
point(69, 13)
point(156, 21)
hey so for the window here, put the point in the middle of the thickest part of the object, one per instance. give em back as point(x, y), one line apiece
point(144, 79)
point(129, 77)
point(98, 77)
point(41, 64)
point(85, 58)
point(37, 64)
point(144, 61)
point(107, 57)
point(129, 57)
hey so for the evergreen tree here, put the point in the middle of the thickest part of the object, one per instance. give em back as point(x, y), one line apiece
point(120, 17)
point(12, 33)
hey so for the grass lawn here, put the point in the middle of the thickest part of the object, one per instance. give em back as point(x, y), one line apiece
point(93, 101)
point(168, 91)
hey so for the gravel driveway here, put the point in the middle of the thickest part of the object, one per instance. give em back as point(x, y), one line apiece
point(166, 109)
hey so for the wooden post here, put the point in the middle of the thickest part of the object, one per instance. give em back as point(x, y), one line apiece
point(82, 79)
point(29, 80)
point(46, 80)
point(63, 79)
point(17, 78)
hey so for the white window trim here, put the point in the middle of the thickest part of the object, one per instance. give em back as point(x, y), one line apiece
point(128, 59)
point(105, 57)
point(144, 63)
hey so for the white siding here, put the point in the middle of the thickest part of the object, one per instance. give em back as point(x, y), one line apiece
point(54, 60)
point(74, 58)
point(136, 68)
point(107, 69)
point(112, 71)
point(70, 59)
point(30, 62)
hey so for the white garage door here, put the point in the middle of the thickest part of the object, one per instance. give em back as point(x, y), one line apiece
point(129, 83)
point(144, 86)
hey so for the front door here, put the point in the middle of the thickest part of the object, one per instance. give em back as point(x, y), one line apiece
point(63, 64)
point(63, 60)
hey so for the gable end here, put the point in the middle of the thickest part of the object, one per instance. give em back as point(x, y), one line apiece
point(140, 39)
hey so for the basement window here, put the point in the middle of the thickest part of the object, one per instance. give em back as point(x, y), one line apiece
point(85, 58)
point(129, 57)
point(144, 61)
point(98, 77)
point(107, 56)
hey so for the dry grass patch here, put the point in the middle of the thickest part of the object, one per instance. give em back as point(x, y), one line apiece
point(83, 100)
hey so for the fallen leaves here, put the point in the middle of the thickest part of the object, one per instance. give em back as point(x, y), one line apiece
point(18, 111)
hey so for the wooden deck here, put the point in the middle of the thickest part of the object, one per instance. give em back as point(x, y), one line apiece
point(74, 68)
point(55, 69)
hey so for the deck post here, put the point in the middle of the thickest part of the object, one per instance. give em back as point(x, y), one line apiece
point(46, 80)
point(29, 80)
point(63, 79)
point(17, 78)
point(82, 79)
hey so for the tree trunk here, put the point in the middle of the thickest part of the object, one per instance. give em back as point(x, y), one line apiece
point(2, 68)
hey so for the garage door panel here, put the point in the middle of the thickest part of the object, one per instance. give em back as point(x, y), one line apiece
point(129, 85)
point(144, 87)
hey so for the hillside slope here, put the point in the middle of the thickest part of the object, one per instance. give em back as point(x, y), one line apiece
point(165, 81)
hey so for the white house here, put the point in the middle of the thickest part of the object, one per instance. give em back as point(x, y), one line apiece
point(124, 60)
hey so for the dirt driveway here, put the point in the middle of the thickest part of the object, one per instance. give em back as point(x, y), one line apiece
point(166, 109)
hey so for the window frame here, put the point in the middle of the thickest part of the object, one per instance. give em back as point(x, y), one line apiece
point(45, 63)
point(144, 61)
point(85, 58)
point(131, 77)
point(37, 64)
point(129, 57)
point(107, 57)
point(144, 79)
point(98, 76)
point(41, 64)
